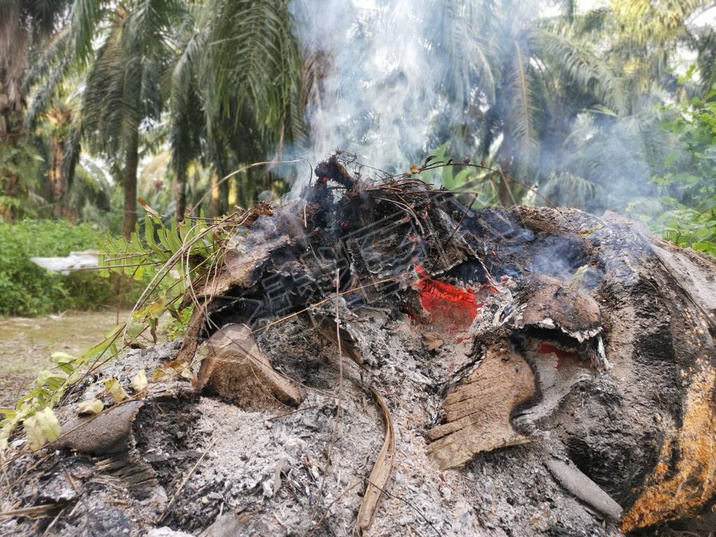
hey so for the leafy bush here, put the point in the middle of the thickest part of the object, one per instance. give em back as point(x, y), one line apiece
point(689, 182)
point(26, 289)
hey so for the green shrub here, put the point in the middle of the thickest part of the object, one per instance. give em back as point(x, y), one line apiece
point(26, 289)
point(688, 184)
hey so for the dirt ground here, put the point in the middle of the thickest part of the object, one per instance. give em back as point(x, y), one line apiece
point(27, 343)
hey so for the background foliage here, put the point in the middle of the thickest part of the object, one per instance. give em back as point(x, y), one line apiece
point(586, 105)
point(26, 289)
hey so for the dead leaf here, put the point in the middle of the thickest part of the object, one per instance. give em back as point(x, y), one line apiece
point(91, 407)
point(115, 390)
point(414, 168)
point(139, 382)
point(150, 211)
point(42, 428)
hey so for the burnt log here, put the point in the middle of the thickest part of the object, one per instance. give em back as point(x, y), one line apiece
point(406, 366)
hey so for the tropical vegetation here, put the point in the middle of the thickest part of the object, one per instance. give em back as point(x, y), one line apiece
point(601, 105)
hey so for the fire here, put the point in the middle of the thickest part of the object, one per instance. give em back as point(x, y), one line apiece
point(448, 305)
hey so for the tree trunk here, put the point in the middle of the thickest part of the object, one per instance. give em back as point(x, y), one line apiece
point(180, 196)
point(57, 179)
point(215, 210)
point(130, 185)
point(4, 113)
point(504, 190)
point(13, 64)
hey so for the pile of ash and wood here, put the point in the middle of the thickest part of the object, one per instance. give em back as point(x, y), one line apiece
point(381, 360)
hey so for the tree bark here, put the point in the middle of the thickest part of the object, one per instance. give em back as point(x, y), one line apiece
point(130, 185)
point(215, 209)
point(180, 196)
point(57, 178)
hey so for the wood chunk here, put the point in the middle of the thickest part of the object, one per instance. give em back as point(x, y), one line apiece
point(237, 370)
point(572, 479)
point(552, 304)
point(478, 409)
point(242, 269)
point(108, 432)
point(673, 493)
point(432, 341)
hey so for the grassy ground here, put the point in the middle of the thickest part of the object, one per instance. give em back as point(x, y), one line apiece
point(28, 343)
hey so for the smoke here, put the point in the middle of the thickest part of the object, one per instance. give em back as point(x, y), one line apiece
point(375, 91)
point(392, 80)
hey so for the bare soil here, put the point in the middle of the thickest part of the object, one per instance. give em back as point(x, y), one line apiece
point(28, 343)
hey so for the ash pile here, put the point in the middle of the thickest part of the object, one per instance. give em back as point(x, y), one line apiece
point(382, 360)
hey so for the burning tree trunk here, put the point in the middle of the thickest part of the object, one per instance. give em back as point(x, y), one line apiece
point(381, 360)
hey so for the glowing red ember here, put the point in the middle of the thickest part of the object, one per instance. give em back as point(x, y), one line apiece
point(449, 306)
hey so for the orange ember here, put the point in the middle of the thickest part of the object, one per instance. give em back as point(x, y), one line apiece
point(449, 306)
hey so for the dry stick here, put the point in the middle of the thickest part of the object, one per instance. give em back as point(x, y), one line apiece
point(319, 303)
point(33, 510)
point(186, 479)
point(7, 479)
point(497, 171)
point(406, 502)
point(54, 520)
point(286, 414)
point(462, 219)
point(380, 474)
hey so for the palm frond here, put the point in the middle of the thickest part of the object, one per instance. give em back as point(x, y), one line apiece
point(85, 19)
point(523, 111)
point(573, 60)
point(571, 190)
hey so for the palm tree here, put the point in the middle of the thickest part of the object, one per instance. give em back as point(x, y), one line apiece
point(23, 24)
point(234, 94)
point(530, 76)
point(122, 87)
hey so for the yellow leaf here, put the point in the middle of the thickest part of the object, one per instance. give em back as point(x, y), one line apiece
point(62, 358)
point(42, 428)
point(115, 390)
point(159, 374)
point(90, 408)
point(414, 168)
point(591, 230)
point(156, 307)
point(139, 382)
point(150, 211)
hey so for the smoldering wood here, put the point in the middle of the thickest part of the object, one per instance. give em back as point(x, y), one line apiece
point(541, 372)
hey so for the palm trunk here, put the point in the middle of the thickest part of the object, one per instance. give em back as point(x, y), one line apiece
point(180, 196)
point(130, 185)
point(4, 113)
point(504, 191)
point(57, 178)
point(215, 205)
